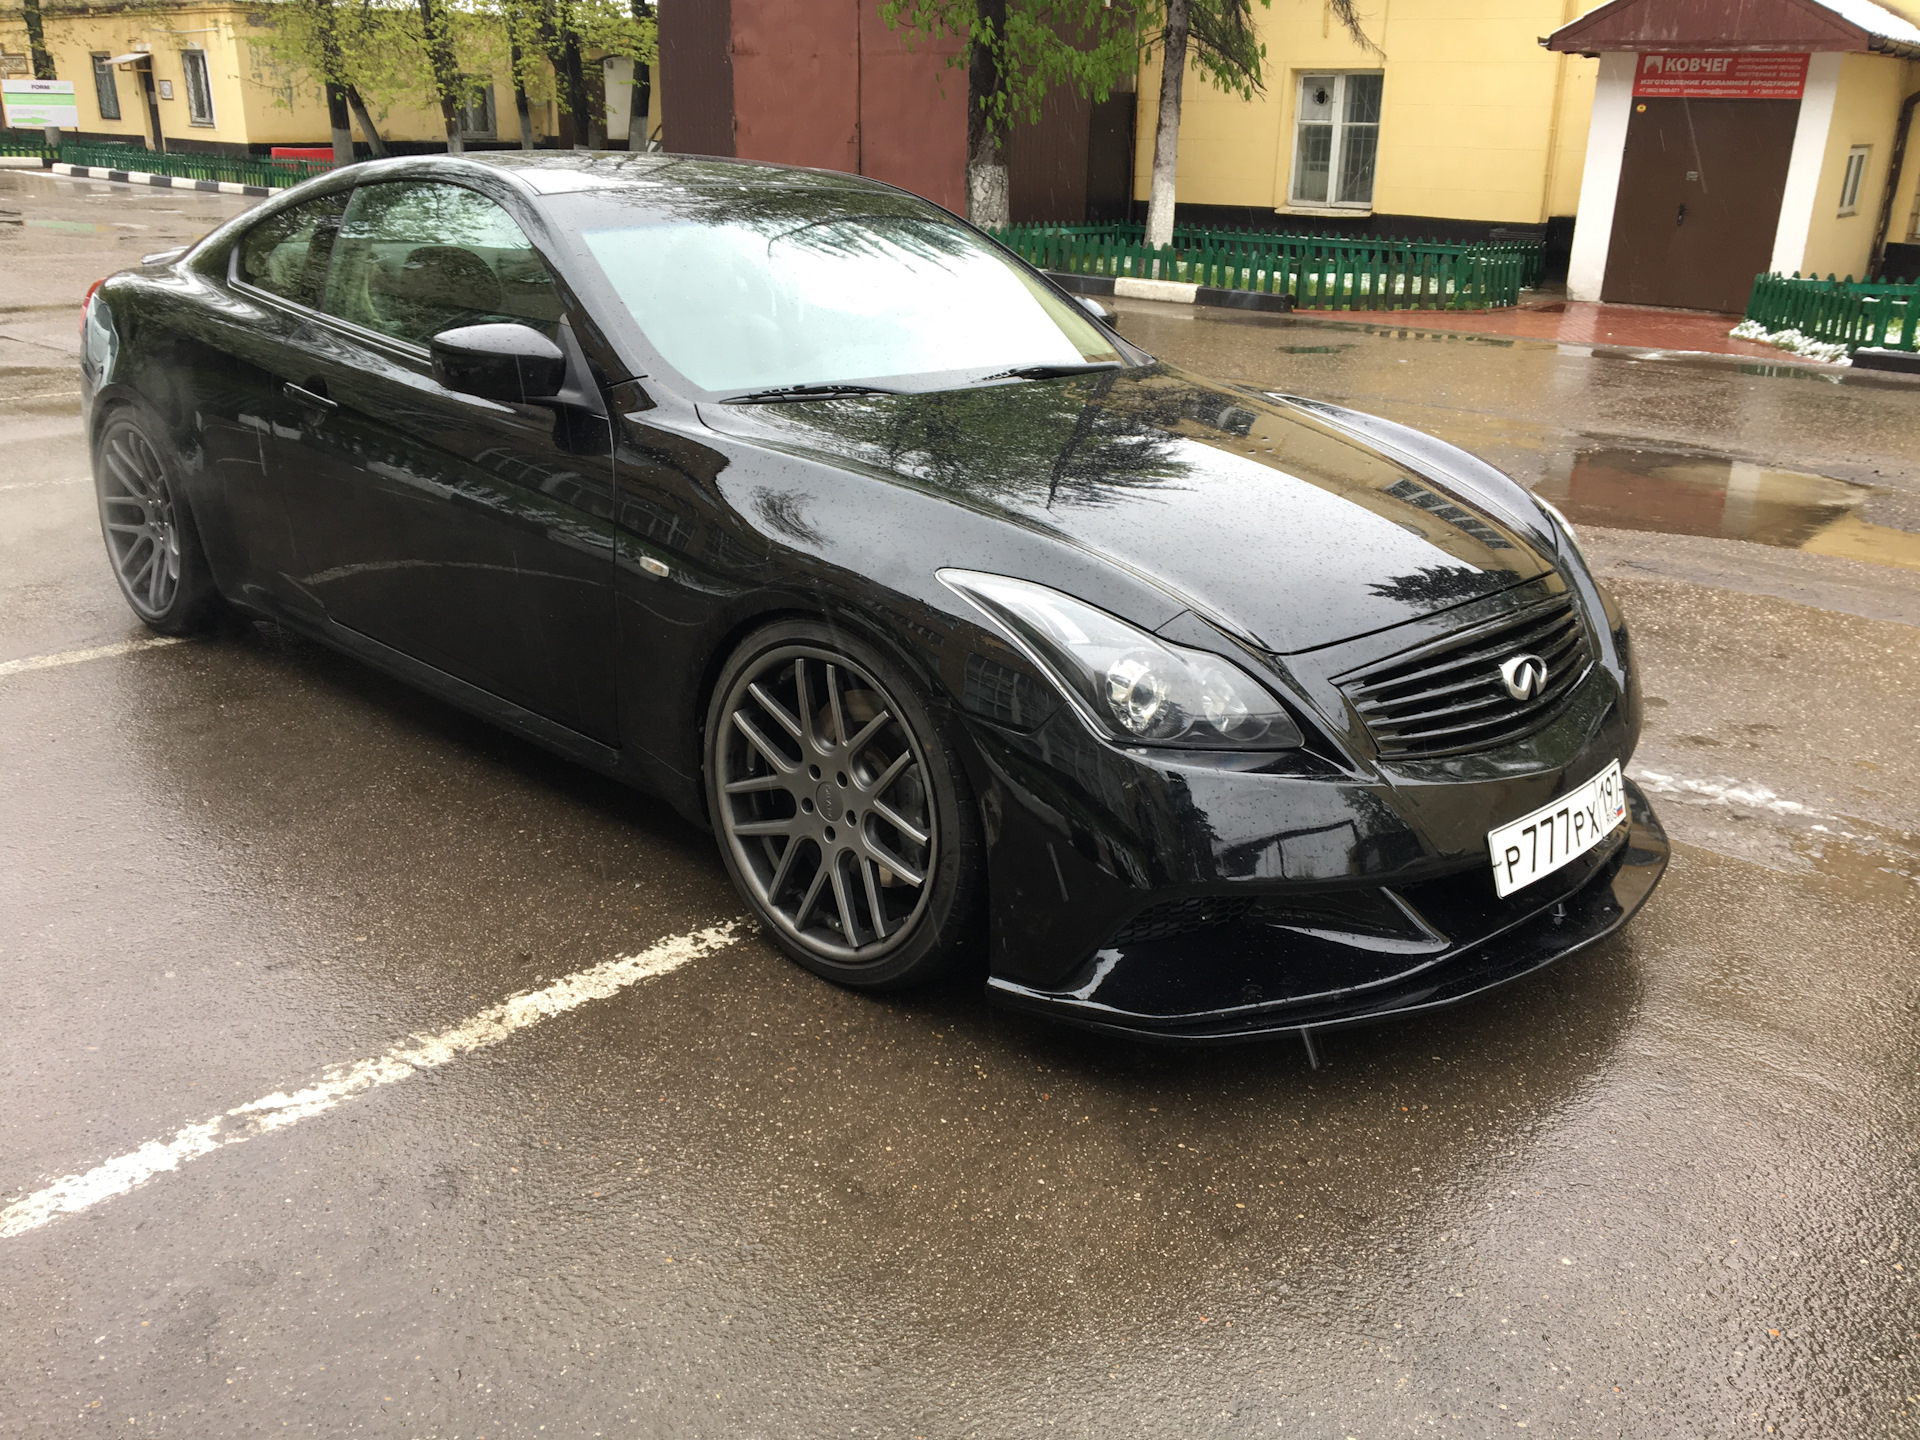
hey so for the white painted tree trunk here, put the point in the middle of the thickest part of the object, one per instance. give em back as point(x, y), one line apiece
point(1166, 138)
point(988, 203)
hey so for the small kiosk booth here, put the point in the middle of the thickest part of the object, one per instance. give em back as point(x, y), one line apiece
point(1733, 139)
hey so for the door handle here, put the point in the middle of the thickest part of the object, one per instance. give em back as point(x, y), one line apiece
point(1681, 218)
point(312, 400)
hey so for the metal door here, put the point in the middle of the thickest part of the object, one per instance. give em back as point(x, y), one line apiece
point(1699, 201)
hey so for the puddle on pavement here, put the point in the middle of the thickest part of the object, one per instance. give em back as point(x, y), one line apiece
point(1679, 494)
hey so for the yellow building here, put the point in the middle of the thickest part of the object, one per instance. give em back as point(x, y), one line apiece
point(1458, 115)
point(1468, 117)
point(209, 82)
point(1714, 155)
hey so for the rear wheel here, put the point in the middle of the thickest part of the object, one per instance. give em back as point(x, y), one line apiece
point(841, 808)
point(151, 541)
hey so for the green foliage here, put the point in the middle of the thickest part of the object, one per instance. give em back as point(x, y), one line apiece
point(538, 32)
point(1094, 45)
point(1221, 43)
point(1088, 45)
point(385, 48)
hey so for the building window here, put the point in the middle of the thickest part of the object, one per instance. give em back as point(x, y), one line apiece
point(1336, 132)
point(1850, 183)
point(476, 116)
point(199, 90)
point(104, 88)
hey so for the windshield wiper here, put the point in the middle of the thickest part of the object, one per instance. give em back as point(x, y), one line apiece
point(1053, 372)
point(805, 392)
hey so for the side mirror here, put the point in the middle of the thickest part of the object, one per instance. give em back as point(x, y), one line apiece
point(513, 364)
point(1099, 312)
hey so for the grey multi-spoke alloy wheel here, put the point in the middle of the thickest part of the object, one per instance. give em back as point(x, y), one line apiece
point(151, 542)
point(841, 810)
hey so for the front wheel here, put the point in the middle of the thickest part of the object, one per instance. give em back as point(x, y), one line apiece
point(151, 540)
point(841, 808)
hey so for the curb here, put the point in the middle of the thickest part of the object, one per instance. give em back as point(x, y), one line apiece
point(1174, 291)
point(1904, 361)
point(164, 182)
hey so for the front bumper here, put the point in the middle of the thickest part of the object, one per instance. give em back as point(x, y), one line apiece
point(1249, 976)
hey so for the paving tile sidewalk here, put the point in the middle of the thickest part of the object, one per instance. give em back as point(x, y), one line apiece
point(1576, 322)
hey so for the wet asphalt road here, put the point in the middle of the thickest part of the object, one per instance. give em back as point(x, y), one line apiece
point(1666, 1189)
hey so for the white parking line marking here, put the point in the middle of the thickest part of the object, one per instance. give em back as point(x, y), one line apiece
point(38, 484)
point(75, 657)
point(340, 1083)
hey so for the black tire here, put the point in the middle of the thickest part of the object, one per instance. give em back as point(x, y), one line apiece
point(151, 539)
point(861, 772)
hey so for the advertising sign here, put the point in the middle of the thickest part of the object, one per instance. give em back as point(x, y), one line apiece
point(1721, 77)
point(36, 104)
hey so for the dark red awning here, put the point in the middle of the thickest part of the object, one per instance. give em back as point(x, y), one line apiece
point(1739, 25)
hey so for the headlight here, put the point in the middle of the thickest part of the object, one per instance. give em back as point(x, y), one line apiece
point(1140, 688)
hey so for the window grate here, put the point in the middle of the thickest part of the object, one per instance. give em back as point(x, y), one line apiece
point(199, 87)
point(105, 89)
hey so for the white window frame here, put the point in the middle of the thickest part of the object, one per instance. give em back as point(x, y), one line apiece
point(1850, 179)
point(103, 72)
point(1338, 154)
point(187, 60)
point(480, 97)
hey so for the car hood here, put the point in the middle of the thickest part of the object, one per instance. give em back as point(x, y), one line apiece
point(1270, 516)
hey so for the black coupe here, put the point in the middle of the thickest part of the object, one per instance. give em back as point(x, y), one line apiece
point(962, 621)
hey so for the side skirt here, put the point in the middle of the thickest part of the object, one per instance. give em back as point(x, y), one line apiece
point(464, 695)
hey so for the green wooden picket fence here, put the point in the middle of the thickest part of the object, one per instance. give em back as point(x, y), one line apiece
point(15, 143)
point(1320, 272)
point(181, 164)
point(1845, 312)
point(187, 165)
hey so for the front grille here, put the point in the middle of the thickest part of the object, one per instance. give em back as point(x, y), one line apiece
point(1448, 697)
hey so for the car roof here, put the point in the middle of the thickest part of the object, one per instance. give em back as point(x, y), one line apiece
point(558, 172)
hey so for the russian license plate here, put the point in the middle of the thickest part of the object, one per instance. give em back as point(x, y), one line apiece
point(1557, 834)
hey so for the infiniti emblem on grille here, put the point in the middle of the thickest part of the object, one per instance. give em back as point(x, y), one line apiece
point(1525, 676)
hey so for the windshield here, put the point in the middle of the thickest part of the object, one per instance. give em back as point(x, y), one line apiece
point(761, 302)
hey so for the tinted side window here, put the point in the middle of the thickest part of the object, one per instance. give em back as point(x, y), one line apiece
point(416, 259)
point(288, 253)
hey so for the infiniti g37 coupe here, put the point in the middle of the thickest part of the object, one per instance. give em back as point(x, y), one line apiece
point(963, 622)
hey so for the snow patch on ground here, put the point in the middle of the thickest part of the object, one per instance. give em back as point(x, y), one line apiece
point(1792, 341)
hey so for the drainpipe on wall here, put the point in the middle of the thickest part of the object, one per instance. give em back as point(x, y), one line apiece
point(1877, 257)
point(1567, 15)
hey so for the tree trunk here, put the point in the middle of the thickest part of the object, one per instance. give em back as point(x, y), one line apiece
point(988, 201)
point(372, 131)
point(341, 120)
point(594, 82)
point(37, 42)
point(525, 112)
point(1166, 139)
point(447, 86)
point(641, 101)
point(520, 106)
point(333, 85)
point(573, 76)
point(639, 133)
